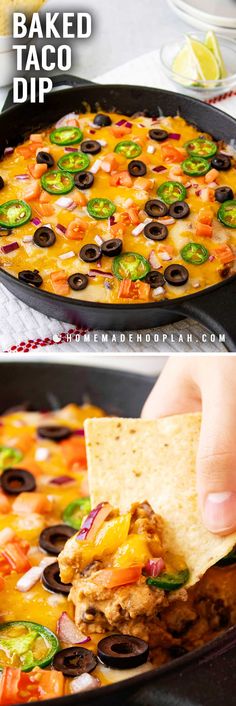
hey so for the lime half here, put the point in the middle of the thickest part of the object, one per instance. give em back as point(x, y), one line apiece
point(184, 65)
point(212, 43)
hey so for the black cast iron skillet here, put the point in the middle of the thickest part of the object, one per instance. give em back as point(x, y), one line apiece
point(214, 307)
point(204, 677)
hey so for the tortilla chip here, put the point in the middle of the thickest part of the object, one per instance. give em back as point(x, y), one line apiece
point(132, 460)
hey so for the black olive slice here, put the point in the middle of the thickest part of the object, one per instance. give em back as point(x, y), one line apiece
point(102, 120)
point(176, 275)
point(90, 146)
point(137, 168)
point(155, 279)
point(84, 180)
point(2, 183)
point(221, 162)
point(45, 158)
point(90, 252)
point(52, 539)
point(112, 247)
point(51, 579)
point(30, 277)
point(158, 134)
point(78, 281)
point(224, 193)
point(17, 480)
point(54, 433)
point(44, 237)
point(123, 651)
point(155, 231)
point(179, 209)
point(74, 661)
point(156, 208)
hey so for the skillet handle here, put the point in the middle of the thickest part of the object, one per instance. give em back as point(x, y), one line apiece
point(58, 80)
point(216, 311)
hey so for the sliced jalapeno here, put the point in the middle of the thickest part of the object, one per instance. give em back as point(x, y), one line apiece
point(169, 582)
point(74, 162)
point(57, 182)
point(129, 149)
point(76, 511)
point(100, 208)
point(66, 136)
point(26, 645)
point(130, 265)
point(195, 166)
point(14, 213)
point(201, 147)
point(228, 559)
point(194, 253)
point(9, 457)
point(171, 191)
point(227, 214)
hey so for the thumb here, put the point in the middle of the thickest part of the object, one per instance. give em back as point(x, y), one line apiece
point(216, 458)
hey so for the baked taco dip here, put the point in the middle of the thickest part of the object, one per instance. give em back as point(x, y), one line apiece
point(98, 590)
point(105, 208)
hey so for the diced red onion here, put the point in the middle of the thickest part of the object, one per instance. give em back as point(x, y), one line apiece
point(98, 240)
point(93, 521)
point(141, 125)
point(8, 150)
point(166, 220)
point(66, 202)
point(22, 177)
point(121, 122)
point(70, 149)
point(84, 682)
point(61, 228)
point(154, 567)
point(153, 259)
point(78, 432)
point(61, 480)
point(92, 132)
point(128, 124)
point(108, 284)
point(174, 135)
point(29, 579)
point(9, 248)
point(68, 632)
point(36, 221)
point(160, 168)
point(211, 258)
point(95, 272)
point(62, 121)
point(111, 220)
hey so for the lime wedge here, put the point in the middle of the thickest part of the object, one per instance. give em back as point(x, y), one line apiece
point(184, 66)
point(212, 43)
point(206, 63)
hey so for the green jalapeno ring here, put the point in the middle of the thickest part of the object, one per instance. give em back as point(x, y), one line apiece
point(195, 166)
point(171, 191)
point(72, 135)
point(16, 213)
point(169, 582)
point(194, 253)
point(76, 511)
point(129, 149)
point(22, 645)
point(130, 265)
point(9, 457)
point(227, 213)
point(201, 147)
point(57, 182)
point(100, 208)
point(74, 162)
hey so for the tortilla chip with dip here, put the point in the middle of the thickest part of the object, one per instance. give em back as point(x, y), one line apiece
point(134, 460)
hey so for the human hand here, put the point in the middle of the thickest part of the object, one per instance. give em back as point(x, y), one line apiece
point(191, 384)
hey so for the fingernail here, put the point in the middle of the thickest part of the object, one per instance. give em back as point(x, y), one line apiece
point(219, 512)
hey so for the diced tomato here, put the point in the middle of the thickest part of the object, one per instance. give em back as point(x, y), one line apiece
point(74, 451)
point(80, 198)
point(131, 216)
point(172, 154)
point(44, 197)
point(109, 163)
point(212, 175)
point(225, 253)
point(121, 179)
point(16, 557)
point(143, 183)
point(26, 503)
point(24, 151)
point(117, 230)
point(46, 209)
point(33, 191)
point(5, 506)
point(36, 137)
point(112, 578)
point(120, 130)
point(207, 194)
point(51, 684)
point(143, 290)
point(19, 687)
point(37, 170)
point(203, 230)
point(76, 229)
point(125, 289)
point(205, 216)
point(9, 683)
point(59, 282)
point(134, 290)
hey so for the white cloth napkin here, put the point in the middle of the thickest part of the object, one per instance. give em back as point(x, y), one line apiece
point(24, 330)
